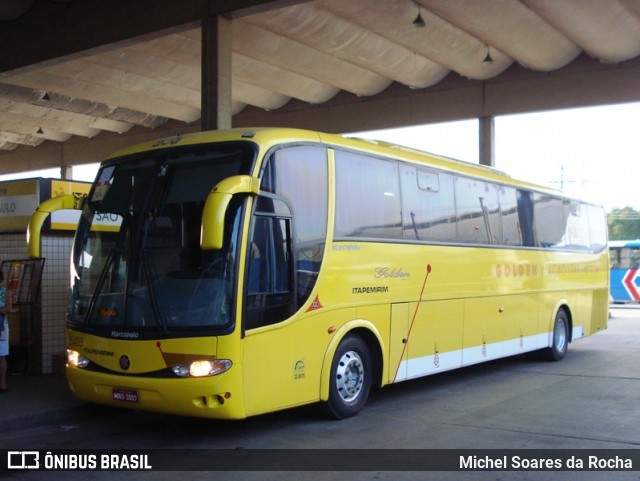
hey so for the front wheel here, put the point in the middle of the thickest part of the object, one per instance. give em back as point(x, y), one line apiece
point(560, 342)
point(350, 381)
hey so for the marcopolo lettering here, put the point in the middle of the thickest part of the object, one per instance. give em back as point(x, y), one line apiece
point(125, 335)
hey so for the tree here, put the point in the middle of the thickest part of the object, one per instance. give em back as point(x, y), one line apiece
point(624, 224)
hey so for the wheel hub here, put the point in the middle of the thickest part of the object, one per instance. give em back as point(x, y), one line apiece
point(349, 376)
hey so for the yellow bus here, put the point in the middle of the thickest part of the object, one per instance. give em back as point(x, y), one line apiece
point(232, 273)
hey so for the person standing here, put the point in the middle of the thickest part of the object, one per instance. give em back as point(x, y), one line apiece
point(5, 308)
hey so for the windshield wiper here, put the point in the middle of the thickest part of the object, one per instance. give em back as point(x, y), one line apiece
point(148, 276)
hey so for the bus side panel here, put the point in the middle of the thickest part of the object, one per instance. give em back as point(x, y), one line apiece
point(434, 343)
point(500, 326)
point(398, 342)
point(581, 305)
point(591, 312)
point(521, 315)
point(599, 311)
point(579, 280)
point(483, 330)
point(282, 363)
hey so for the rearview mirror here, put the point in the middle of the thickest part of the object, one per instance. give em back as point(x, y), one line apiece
point(215, 208)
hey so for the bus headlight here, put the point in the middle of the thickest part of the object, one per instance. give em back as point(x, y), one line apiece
point(210, 367)
point(75, 359)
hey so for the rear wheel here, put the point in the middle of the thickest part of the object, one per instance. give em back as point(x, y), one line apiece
point(350, 381)
point(560, 342)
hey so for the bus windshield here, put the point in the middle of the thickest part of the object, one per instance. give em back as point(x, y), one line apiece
point(137, 263)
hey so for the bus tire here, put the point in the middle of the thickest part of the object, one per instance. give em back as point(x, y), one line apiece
point(560, 342)
point(350, 382)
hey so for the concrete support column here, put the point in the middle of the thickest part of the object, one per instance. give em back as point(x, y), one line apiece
point(487, 140)
point(66, 172)
point(216, 73)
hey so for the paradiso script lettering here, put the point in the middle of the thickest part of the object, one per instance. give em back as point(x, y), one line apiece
point(387, 273)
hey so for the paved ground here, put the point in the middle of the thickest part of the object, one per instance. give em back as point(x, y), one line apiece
point(587, 401)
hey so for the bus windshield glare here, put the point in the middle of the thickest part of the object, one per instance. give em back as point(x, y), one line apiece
point(136, 261)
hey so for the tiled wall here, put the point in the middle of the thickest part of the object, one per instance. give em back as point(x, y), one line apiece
point(44, 322)
point(56, 249)
point(13, 246)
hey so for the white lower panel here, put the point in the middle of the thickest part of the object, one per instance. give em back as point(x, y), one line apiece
point(577, 333)
point(441, 362)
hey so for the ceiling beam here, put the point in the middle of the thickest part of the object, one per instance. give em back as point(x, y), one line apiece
point(584, 82)
point(79, 151)
point(90, 24)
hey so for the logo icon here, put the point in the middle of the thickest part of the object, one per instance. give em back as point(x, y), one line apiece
point(23, 460)
point(125, 362)
point(315, 304)
point(299, 370)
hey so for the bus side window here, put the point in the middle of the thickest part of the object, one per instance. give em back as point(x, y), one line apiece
point(597, 227)
point(629, 258)
point(525, 218)
point(550, 219)
point(477, 212)
point(269, 291)
point(511, 230)
point(369, 207)
point(428, 205)
point(298, 176)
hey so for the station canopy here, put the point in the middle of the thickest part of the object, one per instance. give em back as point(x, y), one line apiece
point(292, 55)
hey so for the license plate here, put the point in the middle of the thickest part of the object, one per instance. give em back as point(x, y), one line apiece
point(126, 395)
